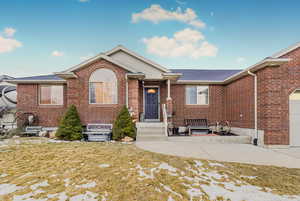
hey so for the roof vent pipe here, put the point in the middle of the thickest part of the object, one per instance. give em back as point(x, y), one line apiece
point(255, 140)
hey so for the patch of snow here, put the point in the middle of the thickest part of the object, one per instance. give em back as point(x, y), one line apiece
point(167, 188)
point(170, 198)
point(104, 165)
point(216, 164)
point(244, 193)
point(88, 196)
point(37, 185)
point(214, 175)
point(25, 175)
point(249, 177)
point(3, 175)
point(198, 163)
point(194, 192)
point(67, 182)
point(166, 166)
point(27, 197)
point(61, 196)
point(88, 185)
point(8, 188)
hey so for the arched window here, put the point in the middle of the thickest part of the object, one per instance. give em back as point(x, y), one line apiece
point(103, 87)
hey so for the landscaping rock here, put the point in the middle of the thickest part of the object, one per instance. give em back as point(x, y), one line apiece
point(52, 134)
point(127, 139)
point(43, 133)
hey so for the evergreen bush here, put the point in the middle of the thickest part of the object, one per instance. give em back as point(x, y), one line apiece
point(70, 127)
point(124, 126)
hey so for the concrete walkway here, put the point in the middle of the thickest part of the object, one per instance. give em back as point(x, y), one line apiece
point(241, 153)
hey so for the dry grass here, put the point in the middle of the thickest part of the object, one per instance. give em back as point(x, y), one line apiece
point(133, 174)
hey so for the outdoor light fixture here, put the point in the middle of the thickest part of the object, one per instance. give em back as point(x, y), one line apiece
point(151, 91)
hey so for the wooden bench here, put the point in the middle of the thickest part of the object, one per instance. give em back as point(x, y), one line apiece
point(32, 130)
point(197, 124)
point(98, 132)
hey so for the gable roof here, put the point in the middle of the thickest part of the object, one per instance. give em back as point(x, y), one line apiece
point(137, 56)
point(204, 74)
point(286, 50)
point(91, 60)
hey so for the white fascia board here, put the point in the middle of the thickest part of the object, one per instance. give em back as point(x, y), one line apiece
point(271, 62)
point(124, 49)
point(91, 60)
point(286, 50)
point(36, 81)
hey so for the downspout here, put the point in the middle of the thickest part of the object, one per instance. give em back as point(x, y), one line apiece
point(126, 78)
point(255, 140)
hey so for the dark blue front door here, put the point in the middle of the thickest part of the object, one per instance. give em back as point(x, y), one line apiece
point(151, 103)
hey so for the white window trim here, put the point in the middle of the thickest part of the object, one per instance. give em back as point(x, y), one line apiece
point(208, 94)
point(47, 85)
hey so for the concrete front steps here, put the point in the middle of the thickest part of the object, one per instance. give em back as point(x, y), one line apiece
point(150, 131)
point(212, 139)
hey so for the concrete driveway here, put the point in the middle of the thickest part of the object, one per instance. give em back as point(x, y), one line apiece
point(241, 153)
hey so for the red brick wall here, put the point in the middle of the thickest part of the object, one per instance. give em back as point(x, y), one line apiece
point(78, 94)
point(213, 112)
point(275, 86)
point(239, 102)
point(28, 102)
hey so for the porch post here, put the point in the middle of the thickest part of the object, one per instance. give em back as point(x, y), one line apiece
point(169, 99)
point(169, 89)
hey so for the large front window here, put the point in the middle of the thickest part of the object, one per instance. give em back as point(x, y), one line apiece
point(51, 95)
point(103, 87)
point(196, 95)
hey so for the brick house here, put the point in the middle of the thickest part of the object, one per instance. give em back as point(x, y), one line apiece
point(261, 101)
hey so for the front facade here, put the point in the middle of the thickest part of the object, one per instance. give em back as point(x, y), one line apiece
point(261, 101)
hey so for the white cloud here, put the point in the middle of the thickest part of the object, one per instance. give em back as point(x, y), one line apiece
point(8, 44)
point(57, 53)
point(83, 58)
point(188, 43)
point(9, 32)
point(240, 60)
point(83, 1)
point(181, 2)
point(155, 13)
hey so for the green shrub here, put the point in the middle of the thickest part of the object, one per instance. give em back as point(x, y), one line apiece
point(124, 126)
point(70, 127)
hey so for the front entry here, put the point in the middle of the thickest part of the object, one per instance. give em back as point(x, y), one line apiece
point(295, 118)
point(151, 103)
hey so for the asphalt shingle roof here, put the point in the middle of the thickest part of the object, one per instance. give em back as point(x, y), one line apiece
point(41, 77)
point(205, 75)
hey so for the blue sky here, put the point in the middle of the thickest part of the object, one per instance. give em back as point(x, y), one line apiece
point(41, 37)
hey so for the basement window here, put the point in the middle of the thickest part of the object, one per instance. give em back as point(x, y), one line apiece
point(196, 95)
point(51, 95)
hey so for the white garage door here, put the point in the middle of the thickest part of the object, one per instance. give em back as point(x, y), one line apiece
point(295, 118)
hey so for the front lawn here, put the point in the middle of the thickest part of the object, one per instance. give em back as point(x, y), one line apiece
point(113, 171)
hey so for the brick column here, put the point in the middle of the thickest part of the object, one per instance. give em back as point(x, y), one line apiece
point(133, 98)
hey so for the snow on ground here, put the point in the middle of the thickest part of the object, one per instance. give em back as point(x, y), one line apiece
point(88, 196)
point(87, 185)
point(234, 190)
point(8, 188)
point(104, 165)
